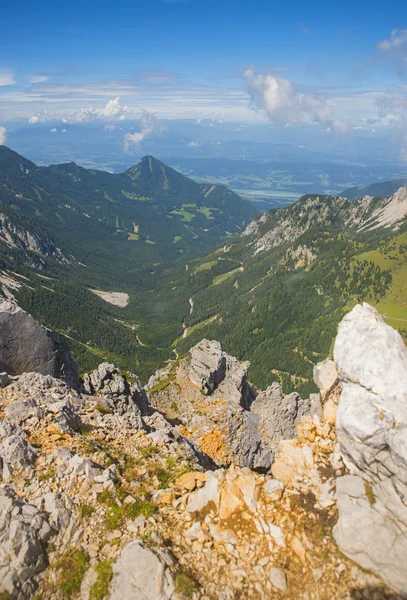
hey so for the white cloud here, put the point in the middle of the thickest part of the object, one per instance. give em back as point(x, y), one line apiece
point(110, 127)
point(195, 144)
point(38, 78)
point(3, 134)
point(395, 49)
point(6, 78)
point(53, 130)
point(112, 110)
point(282, 103)
point(149, 125)
point(398, 39)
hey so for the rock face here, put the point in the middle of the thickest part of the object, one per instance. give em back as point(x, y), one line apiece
point(141, 573)
point(24, 532)
point(279, 415)
point(119, 393)
point(26, 346)
point(372, 432)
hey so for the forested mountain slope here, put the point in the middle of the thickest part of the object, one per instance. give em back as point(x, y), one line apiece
point(275, 294)
point(65, 230)
point(272, 294)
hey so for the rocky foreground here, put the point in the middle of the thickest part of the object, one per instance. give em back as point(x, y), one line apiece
point(196, 487)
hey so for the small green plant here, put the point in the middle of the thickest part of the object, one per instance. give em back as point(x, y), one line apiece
point(5, 596)
point(72, 567)
point(47, 475)
point(85, 510)
point(369, 493)
point(103, 409)
point(185, 586)
point(100, 588)
point(116, 515)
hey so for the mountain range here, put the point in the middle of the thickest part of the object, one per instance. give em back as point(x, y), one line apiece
point(137, 267)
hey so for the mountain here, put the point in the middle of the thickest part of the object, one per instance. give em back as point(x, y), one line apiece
point(148, 214)
point(382, 188)
point(66, 232)
point(275, 294)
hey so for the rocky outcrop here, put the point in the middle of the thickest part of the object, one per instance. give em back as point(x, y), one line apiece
point(279, 415)
point(120, 393)
point(212, 406)
point(372, 431)
point(26, 346)
point(141, 573)
point(24, 533)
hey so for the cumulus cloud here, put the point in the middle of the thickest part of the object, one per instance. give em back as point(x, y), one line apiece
point(6, 78)
point(112, 110)
point(53, 130)
point(195, 144)
point(282, 103)
point(395, 49)
point(149, 125)
point(3, 135)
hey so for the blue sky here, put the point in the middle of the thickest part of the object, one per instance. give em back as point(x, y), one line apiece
point(340, 66)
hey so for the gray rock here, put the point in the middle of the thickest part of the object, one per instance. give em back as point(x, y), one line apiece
point(140, 573)
point(367, 535)
point(325, 375)
point(25, 346)
point(19, 411)
point(208, 365)
point(278, 579)
point(24, 532)
point(371, 425)
point(120, 394)
point(279, 415)
point(16, 452)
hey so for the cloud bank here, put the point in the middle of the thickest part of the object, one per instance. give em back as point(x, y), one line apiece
point(282, 103)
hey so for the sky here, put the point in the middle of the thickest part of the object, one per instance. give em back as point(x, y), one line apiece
point(340, 67)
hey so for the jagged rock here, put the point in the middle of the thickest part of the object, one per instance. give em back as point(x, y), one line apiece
point(43, 396)
point(217, 422)
point(208, 365)
point(26, 346)
point(325, 375)
point(120, 394)
point(372, 432)
point(15, 451)
point(141, 573)
point(278, 579)
point(24, 531)
point(279, 415)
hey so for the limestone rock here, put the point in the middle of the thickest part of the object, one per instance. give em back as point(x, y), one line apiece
point(325, 375)
point(120, 394)
point(372, 432)
point(15, 451)
point(24, 532)
point(208, 365)
point(279, 415)
point(25, 346)
point(141, 573)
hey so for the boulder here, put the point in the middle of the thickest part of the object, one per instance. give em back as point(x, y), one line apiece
point(325, 375)
point(279, 415)
point(140, 573)
point(25, 345)
point(371, 426)
point(208, 365)
point(15, 451)
point(122, 394)
point(24, 533)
